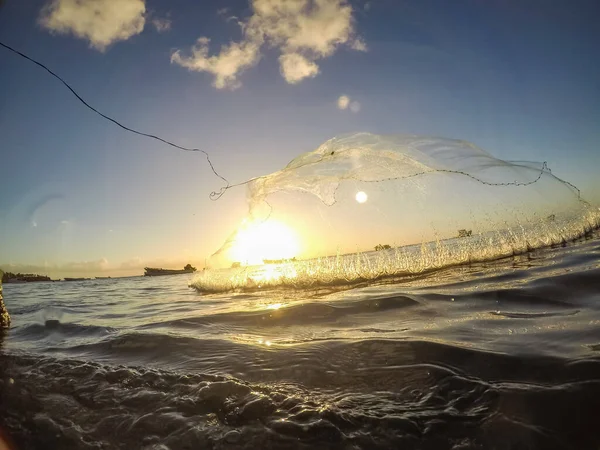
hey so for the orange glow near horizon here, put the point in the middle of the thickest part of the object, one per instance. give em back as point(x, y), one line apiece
point(258, 241)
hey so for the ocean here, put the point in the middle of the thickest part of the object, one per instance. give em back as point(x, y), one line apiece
point(500, 354)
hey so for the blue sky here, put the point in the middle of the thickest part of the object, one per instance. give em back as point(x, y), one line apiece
point(79, 195)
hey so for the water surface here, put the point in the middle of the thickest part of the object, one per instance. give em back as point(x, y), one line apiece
point(497, 355)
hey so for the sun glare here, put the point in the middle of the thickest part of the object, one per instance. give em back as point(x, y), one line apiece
point(361, 197)
point(259, 241)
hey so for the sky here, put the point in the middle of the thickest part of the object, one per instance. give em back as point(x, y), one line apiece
point(255, 83)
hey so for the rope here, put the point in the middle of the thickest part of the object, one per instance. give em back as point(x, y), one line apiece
point(213, 195)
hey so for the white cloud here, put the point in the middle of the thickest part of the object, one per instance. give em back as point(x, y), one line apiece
point(343, 101)
point(359, 45)
point(295, 67)
point(161, 25)
point(232, 59)
point(101, 22)
point(302, 30)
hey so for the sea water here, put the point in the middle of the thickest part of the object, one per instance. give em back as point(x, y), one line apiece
point(487, 355)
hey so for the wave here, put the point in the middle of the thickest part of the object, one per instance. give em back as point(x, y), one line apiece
point(298, 314)
point(537, 301)
point(401, 263)
point(56, 327)
point(328, 356)
point(528, 315)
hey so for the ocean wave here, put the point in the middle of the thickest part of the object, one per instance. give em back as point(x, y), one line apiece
point(296, 314)
point(56, 327)
point(402, 263)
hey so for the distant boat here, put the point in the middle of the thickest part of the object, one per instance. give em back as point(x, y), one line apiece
point(76, 279)
point(154, 272)
point(102, 278)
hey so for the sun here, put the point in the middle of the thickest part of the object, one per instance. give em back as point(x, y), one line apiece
point(361, 197)
point(256, 242)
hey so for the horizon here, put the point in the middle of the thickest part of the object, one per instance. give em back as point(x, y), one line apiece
point(255, 87)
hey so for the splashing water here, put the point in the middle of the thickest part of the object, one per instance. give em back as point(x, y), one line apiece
point(364, 206)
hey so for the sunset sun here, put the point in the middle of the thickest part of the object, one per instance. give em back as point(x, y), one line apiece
point(259, 241)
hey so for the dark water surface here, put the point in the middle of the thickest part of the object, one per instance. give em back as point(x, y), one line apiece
point(502, 355)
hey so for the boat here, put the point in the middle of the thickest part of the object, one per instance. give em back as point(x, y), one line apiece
point(156, 272)
point(76, 279)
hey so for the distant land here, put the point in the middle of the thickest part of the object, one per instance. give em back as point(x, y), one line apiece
point(10, 277)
